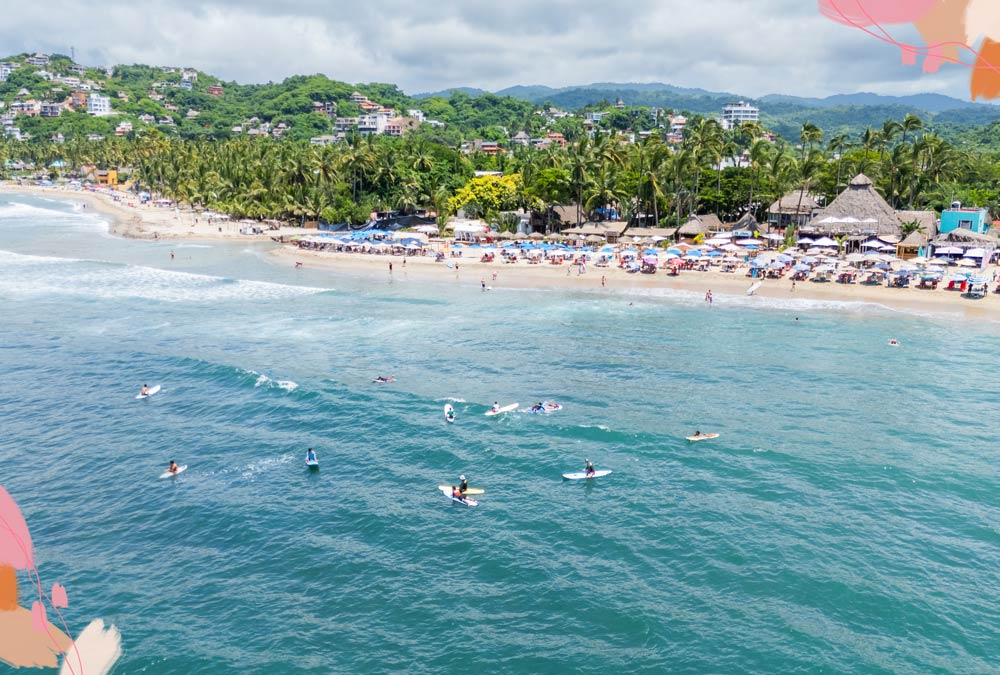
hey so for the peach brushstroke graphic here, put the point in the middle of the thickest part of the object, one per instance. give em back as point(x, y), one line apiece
point(27, 638)
point(946, 26)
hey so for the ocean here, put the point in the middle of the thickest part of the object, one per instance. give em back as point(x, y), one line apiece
point(847, 519)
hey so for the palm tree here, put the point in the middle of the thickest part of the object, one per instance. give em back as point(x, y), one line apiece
point(809, 135)
point(838, 144)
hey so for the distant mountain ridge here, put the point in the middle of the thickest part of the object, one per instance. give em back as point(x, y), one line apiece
point(652, 93)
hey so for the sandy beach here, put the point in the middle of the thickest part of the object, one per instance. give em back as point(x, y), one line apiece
point(129, 219)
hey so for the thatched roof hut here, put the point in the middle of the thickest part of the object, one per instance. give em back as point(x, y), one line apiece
point(927, 220)
point(858, 210)
point(964, 238)
point(702, 224)
point(747, 224)
point(794, 208)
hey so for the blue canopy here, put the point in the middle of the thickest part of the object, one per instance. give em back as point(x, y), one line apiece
point(714, 254)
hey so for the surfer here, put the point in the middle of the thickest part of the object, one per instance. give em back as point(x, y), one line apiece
point(538, 407)
point(310, 456)
point(496, 406)
point(589, 469)
point(144, 391)
point(450, 414)
point(463, 487)
point(456, 493)
point(173, 468)
point(385, 379)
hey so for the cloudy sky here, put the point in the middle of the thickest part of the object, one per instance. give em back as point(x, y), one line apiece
point(749, 47)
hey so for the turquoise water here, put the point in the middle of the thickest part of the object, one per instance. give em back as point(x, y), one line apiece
point(846, 521)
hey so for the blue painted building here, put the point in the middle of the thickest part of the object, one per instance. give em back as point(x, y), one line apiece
point(977, 220)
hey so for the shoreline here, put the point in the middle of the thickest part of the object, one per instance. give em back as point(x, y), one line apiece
point(150, 222)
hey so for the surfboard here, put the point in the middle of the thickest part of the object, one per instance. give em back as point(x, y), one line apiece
point(313, 464)
point(449, 413)
point(580, 475)
point(388, 380)
point(471, 491)
point(547, 408)
point(181, 469)
point(467, 502)
point(152, 391)
point(504, 409)
point(753, 289)
point(703, 437)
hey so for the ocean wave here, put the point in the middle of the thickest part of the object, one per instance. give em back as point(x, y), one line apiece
point(22, 275)
point(450, 399)
point(266, 382)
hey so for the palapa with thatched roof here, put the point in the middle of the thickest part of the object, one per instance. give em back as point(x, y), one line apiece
point(965, 238)
point(700, 224)
point(795, 208)
point(747, 224)
point(858, 210)
point(927, 220)
point(910, 247)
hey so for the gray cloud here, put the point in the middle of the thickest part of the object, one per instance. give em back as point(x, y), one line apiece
point(750, 48)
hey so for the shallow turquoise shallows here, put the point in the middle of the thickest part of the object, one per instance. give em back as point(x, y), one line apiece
point(847, 520)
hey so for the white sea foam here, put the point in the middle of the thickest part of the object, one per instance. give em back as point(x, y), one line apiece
point(450, 400)
point(267, 382)
point(27, 275)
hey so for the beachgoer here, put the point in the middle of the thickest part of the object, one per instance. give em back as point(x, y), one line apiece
point(793, 285)
point(171, 255)
point(298, 265)
point(495, 276)
point(404, 263)
point(589, 468)
point(144, 391)
point(463, 487)
point(604, 281)
point(390, 268)
point(482, 282)
point(310, 456)
point(173, 468)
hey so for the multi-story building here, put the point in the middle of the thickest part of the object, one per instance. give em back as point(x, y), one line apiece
point(37, 60)
point(372, 124)
point(214, 90)
point(30, 108)
point(98, 105)
point(735, 114)
point(6, 69)
point(51, 109)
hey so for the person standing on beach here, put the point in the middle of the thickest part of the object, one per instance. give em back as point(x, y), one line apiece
point(604, 281)
point(793, 285)
point(390, 268)
point(482, 282)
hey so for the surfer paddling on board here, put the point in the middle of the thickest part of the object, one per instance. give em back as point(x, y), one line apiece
point(310, 456)
point(385, 379)
point(173, 468)
point(589, 469)
point(144, 391)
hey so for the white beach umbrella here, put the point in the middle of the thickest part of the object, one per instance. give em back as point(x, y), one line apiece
point(967, 262)
point(975, 253)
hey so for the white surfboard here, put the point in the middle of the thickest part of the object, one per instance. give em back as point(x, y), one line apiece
point(702, 437)
point(500, 411)
point(181, 469)
point(313, 464)
point(753, 289)
point(471, 491)
point(152, 391)
point(468, 501)
point(581, 475)
point(449, 413)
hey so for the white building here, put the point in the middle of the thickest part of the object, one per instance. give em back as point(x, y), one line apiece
point(417, 115)
point(98, 105)
point(372, 124)
point(37, 60)
point(5, 70)
point(735, 114)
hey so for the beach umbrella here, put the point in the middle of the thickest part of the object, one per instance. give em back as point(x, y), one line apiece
point(809, 260)
point(520, 236)
point(967, 262)
point(873, 243)
point(693, 254)
point(714, 254)
point(801, 268)
point(975, 253)
point(785, 258)
point(536, 236)
point(651, 251)
point(855, 257)
point(825, 242)
point(776, 266)
point(805, 240)
point(948, 250)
